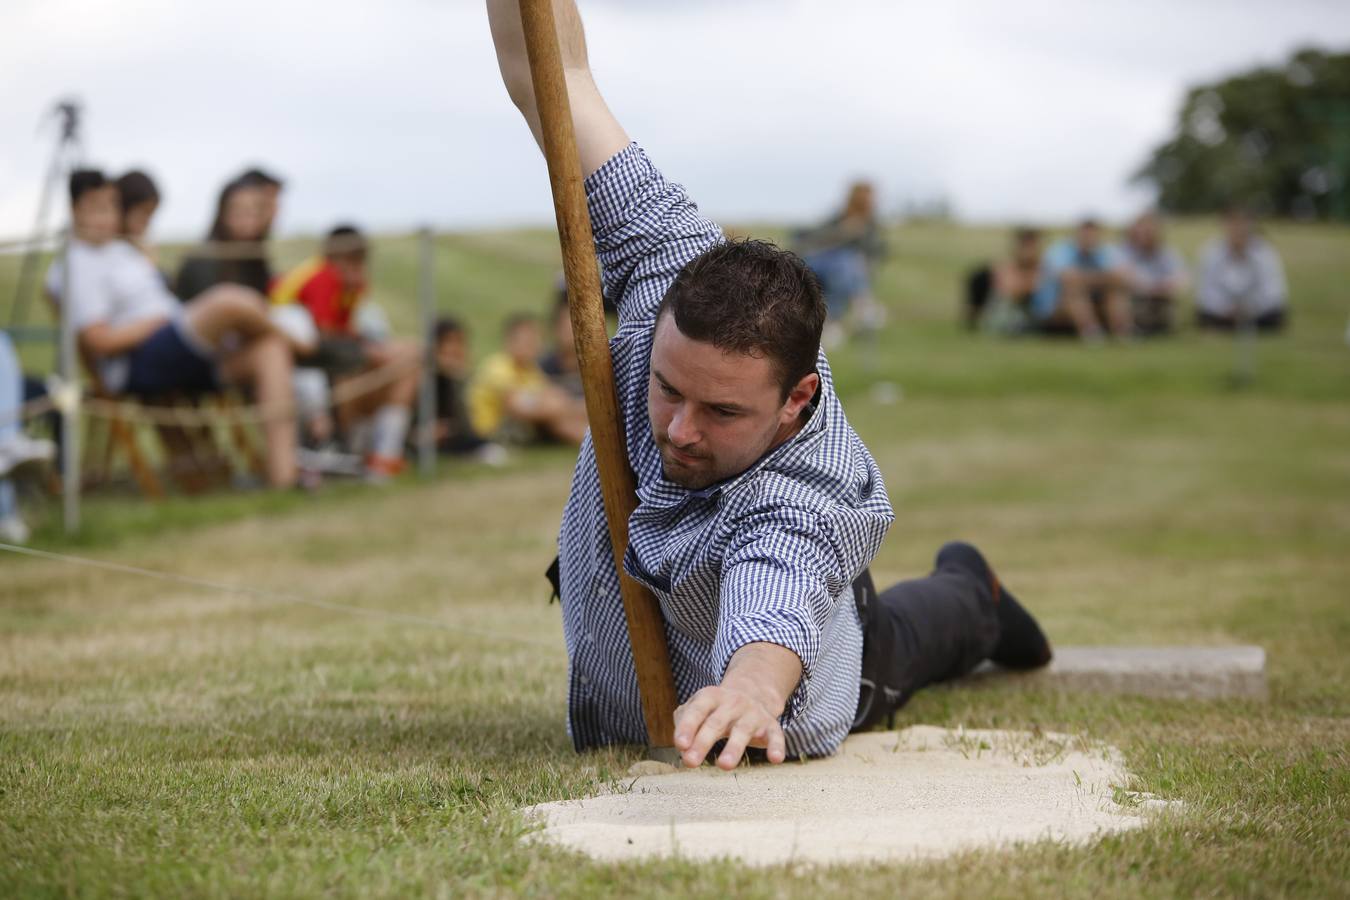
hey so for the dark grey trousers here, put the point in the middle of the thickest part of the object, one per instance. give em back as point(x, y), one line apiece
point(918, 633)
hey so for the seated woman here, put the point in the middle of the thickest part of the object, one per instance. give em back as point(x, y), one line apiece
point(842, 252)
point(1241, 279)
point(140, 339)
point(1155, 274)
point(233, 251)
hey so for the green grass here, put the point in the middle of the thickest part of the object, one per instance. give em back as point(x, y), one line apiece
point(162, 740)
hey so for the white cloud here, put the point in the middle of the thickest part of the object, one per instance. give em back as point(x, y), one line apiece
point(391, 113)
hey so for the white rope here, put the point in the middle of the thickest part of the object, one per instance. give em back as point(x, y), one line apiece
point(276, 596)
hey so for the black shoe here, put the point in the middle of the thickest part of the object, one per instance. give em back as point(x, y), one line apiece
point(1022, 644)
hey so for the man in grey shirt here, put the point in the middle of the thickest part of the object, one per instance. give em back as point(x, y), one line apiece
point(1241, 279)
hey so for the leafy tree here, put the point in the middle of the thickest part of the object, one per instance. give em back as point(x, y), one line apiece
point(1277, 139)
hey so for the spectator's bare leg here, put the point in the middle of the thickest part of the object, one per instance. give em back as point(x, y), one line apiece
point(407, 356)
point(228, 309)
point(560, 415)
point(1119, 316)
point(265, 364)
point(1077, 304)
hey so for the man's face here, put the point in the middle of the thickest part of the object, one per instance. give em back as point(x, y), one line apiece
point(1237, 227)
point(715, 413)
point(96, 216)
point(1028, 251)
point(1089, 236)
point(352, 270)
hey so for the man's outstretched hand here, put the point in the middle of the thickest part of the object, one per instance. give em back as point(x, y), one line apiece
point(744, 708)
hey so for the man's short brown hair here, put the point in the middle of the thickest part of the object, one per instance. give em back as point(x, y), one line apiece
point(753, 297)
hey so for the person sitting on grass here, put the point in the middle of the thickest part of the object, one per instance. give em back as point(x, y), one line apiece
point(1155, 274)
point(512, 401)
point(1241, 279)
point(355, 343)
point(998, 297)
point(141, 340)
point(1082, 288)
point(759, 506)
point(842, 252)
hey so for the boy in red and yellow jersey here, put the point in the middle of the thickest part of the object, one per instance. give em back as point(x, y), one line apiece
point(331, 288)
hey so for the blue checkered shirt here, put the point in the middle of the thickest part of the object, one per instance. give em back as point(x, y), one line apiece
point(768, 555)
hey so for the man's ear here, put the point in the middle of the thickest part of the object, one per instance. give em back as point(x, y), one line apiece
point(800, 396)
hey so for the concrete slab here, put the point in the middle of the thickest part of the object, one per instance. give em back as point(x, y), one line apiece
point(1203, 673)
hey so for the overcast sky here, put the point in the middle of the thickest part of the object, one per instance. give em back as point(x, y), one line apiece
point(391, 113)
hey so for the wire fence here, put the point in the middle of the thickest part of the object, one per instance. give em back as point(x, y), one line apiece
point(67, 396)
point(277, 597)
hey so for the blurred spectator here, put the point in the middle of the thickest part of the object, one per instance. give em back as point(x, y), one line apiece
point(271, 187)
point(842, 251)
point(511, 400)
point(139, 339)
point(332, 287)
point(1082, 288)
point(454, 431)
point(233, 252)
point(17, 449)
point(1155, 273)
point(998, 297)
point(138, 199)
point(560, 364)
point(1241, 279)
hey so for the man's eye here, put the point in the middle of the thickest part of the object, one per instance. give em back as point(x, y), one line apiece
point(725, 413)
point(667, 389)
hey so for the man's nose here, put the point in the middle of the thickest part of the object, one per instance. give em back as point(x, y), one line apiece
point(683, 431)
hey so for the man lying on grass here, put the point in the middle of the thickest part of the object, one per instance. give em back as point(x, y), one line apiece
point(759, 507)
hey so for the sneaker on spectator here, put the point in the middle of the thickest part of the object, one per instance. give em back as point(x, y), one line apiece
point(21, 450)
point(491, 454)
point(380, 469)
point(13, 530)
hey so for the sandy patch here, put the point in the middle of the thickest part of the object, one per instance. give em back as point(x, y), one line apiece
point(921, 792)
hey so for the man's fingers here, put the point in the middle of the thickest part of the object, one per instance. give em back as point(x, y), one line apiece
point(689, 717)
point(731, 754)
point(777, 749)
point(714, 728)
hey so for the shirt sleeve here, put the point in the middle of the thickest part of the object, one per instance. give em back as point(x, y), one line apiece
point(779, 586)
point(646, 229)
point(1273, 289)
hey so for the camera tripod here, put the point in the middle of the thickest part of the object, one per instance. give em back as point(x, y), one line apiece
point(66, 156)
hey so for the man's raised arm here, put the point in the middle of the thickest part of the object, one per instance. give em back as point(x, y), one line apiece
point(599, 134)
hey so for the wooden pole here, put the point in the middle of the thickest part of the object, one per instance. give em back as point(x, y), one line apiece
point(646, 627)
